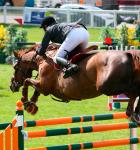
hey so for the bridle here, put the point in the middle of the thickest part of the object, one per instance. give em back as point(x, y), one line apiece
point(25, 73)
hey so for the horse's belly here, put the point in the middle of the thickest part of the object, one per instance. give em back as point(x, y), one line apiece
point(81, 92)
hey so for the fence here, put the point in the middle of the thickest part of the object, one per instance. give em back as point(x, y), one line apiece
point(91, 18)
point(15, 141)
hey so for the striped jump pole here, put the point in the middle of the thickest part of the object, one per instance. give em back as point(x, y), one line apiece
point(76, 130)
point(99, 144)
point(67, 120)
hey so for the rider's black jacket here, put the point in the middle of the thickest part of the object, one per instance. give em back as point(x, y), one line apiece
point(56, 33)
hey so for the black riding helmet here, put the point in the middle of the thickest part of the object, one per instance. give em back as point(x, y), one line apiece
point(47, 21)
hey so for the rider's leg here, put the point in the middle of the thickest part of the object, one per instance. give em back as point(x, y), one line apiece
point(75, 37)
point(65, 63)
point(70, 68)
point(60, 58)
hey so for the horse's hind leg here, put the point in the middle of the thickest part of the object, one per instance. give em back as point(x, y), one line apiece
point(30, 106)
point(130, 106)
point(115, 75)
point(136, 114)
point(132, 111)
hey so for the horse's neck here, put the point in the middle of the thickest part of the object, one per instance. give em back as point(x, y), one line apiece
point(50, 53)
point(33, 62)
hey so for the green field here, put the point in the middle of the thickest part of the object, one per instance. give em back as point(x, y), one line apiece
point(35, 34)
point(95, 35)
point(49, 108)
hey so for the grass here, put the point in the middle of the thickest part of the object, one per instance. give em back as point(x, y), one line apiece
point(52, 109)
point(35, 34)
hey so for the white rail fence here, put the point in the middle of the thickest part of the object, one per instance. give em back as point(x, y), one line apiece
point(91, 18)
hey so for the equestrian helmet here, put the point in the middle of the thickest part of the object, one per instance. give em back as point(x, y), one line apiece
point(47, 21)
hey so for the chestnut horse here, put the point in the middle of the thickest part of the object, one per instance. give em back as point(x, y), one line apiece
point(108, 72)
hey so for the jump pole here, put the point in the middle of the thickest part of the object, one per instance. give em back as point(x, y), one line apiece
point(88, 145)
point(67, 120)
point(77, 130)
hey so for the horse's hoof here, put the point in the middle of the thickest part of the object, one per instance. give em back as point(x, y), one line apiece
point(34, 110)
point(28, 107)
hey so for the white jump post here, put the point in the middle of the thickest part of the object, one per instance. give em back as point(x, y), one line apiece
point(114, 102)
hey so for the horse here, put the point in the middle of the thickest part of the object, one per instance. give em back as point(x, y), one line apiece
point(101, 72)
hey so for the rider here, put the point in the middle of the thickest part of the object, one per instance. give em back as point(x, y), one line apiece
point(69, 36)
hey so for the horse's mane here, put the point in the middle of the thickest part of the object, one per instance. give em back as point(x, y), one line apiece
point(32, 48)
point(51, 47)
point(27, 50)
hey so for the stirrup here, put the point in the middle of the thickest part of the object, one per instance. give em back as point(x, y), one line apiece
point(70, 71)
point(74, 67)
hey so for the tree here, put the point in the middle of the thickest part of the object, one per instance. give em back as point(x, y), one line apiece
point(123, 36)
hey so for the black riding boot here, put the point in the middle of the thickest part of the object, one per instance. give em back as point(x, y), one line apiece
point(70, 68)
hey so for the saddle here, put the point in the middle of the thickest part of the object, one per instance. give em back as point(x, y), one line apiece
point(77, 54)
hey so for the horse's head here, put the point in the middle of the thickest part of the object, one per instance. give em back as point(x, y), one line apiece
point(26, 64)
point(22, 70)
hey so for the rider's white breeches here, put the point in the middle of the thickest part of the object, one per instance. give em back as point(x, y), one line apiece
point(77, 36)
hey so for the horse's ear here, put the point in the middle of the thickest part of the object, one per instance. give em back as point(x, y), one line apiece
point(15, 54)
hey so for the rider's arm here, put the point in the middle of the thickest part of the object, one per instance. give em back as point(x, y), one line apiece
point(44, 44)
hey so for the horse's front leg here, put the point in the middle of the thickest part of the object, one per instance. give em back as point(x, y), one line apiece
point(30, 106)
point(24, 98)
